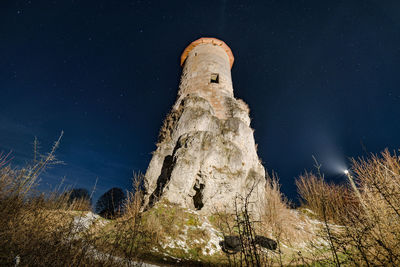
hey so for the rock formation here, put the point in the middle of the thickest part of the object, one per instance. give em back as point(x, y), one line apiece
point(206, 154)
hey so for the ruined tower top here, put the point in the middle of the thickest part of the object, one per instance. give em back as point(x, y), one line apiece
point(207, 64)
point(208, 40)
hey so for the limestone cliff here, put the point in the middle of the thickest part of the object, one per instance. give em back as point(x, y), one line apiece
point(206, 153)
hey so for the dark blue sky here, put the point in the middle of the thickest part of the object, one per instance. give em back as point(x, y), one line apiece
point(321, 78)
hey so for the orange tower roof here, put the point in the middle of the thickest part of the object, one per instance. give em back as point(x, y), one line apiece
point(207, 40)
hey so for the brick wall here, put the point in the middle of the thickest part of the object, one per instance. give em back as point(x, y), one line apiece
point(202, 62)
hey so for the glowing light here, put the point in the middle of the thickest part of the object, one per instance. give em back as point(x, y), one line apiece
point(346, 172)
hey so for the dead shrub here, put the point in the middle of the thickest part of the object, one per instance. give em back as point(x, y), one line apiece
point(373, 231)
point(277, 215)
point(325, 199)
point(367, 214)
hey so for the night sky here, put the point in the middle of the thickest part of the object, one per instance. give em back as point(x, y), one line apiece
point(321, 78)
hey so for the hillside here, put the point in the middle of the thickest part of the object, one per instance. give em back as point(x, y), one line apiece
point(350, 224)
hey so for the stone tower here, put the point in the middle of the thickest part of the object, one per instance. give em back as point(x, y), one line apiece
point(206, 154)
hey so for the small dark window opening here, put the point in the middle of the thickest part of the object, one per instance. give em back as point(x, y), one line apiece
point(198, 197)
point(214, 78)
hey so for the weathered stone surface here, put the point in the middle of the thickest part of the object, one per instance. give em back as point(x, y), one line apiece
point(206, 153)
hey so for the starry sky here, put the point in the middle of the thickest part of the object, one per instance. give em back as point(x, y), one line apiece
point(321, 78)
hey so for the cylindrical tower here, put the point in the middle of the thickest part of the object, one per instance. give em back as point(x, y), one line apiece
point(206, 72)
point(206, 154)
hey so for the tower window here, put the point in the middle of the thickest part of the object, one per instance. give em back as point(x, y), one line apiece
point(214, 78)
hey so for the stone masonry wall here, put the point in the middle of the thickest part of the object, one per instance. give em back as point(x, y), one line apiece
point(203, 61)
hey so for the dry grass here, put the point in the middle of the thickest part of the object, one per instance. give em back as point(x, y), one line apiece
point(130, 238)
point(368, 213)
point(325, 199)
point(30, 231)
point(41, 230)
point(292, 230)
point(278, 218)
point(288, 227)
point(374, 229)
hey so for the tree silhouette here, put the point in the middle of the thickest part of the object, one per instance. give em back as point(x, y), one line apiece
point(110, 204)
point(78, 194)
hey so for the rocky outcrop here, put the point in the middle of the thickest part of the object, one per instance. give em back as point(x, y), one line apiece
point(202, 162)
